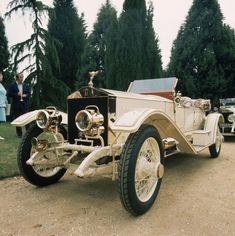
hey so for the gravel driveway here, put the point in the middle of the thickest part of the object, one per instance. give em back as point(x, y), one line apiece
point(197, 197)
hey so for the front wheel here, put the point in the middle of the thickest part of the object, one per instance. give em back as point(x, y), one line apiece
point(216, 147)
point(140, 170)
point(39, 175)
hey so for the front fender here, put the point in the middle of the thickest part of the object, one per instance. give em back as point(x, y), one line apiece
point(31, 116)
point(131, 121)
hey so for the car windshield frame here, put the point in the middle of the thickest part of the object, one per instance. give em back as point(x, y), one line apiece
point(227, 102)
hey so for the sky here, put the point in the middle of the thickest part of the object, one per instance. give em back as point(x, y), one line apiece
point(169, 15)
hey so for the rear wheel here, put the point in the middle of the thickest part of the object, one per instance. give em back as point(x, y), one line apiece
point(40, 175)
point(216, 147)
point(140, 170)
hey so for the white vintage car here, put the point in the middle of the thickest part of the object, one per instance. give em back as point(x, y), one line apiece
point(227, 109)
point(122, 135)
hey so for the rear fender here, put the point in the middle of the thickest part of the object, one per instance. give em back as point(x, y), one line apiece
point(31, 116)
point(212, 122)
point(131, 121)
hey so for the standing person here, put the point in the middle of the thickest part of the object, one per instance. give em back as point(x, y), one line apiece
point(20, 93)
point(3, 101)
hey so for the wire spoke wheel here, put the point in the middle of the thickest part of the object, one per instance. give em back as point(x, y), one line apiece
point(140, 170)
point(45, 169)
point(148, 159)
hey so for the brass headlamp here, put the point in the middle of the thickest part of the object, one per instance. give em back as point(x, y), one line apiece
point(89, 121)
point(48, 118)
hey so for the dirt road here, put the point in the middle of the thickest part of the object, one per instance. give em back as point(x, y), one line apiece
point(197, 197)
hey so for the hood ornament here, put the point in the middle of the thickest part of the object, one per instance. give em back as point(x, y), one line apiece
point(92, 76)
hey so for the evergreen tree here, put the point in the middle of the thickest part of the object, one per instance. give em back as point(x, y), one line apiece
point(32, 51)
point(130, 47)
point(137, 47)
point(4, 53)
point(196, 57)
point(100, 43)
point(111, 56)
point(226, 58)
point(68, 29)
point(152, 64)
point(88, 64)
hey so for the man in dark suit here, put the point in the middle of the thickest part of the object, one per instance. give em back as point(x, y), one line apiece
point(20, 93)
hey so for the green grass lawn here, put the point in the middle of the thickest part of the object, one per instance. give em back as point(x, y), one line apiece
point(8, 151)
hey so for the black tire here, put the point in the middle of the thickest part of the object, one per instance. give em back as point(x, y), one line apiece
point(28, 171)
point(216, 147)
point(129, 168)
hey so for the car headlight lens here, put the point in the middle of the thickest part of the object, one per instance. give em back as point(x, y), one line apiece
point(90, 121)
point(42, 119)
point(83, 120)
point(48, 118)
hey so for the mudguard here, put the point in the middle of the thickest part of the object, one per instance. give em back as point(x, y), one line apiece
point(31, 116)
point(212, 122)
point(131, 121)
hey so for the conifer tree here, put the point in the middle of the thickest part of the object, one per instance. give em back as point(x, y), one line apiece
point(226, 58)
point(111, 55)
point(4, 56)
point(68, 29)
point(98, 54)
point(31, 52)
point(152, 64)
point(4, 53)
point(199, 51)
point(137, 49)
point(130, 48)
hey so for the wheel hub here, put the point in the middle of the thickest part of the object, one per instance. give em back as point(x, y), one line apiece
point(160, 170)
point(150, 169)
